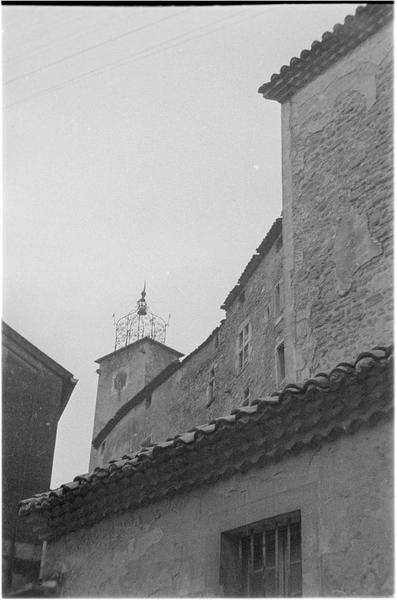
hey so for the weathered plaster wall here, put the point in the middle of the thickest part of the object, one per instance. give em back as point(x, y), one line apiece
point(172, 548)
point(337, 196)
point(181, 402)
point(122, 375)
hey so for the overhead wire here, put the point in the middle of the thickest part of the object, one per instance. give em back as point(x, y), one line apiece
point(94, 46)
point(37, 49)
point(150, 51)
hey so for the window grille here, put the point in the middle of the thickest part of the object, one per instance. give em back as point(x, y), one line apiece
point(264, 559)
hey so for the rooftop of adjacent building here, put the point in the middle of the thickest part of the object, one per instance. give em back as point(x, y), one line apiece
point(20, 345)
point(356, 28)
point(351, 396)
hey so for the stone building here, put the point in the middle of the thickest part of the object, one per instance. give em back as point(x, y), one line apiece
point(35, 392)
point(286, 493)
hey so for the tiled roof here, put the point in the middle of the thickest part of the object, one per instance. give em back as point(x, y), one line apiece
point(327, 406)
point(264, 247)
point(333, 46)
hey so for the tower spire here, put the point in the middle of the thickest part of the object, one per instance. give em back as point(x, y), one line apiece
point(139, 323)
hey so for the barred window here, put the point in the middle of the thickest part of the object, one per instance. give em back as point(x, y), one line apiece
point(263, 559)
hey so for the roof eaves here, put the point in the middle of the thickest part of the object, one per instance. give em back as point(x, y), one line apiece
point(22, 342)
point(325, 407)
point(333, 46)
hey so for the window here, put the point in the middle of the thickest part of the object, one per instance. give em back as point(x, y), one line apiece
point(278, 299)
point(280, 363)
point(267, 314)
point(211, 388)
point(216, 340)
point(246, 396)
point(243, 345)
point(263, 559)
point(241, 298)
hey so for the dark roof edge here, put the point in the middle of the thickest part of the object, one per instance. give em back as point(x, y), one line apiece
point(255, 260)
point(9, 332)
point(334, 45)
point(144, 339)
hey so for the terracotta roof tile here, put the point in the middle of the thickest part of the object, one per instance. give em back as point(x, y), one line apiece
point(351, 396)
point(342, 40)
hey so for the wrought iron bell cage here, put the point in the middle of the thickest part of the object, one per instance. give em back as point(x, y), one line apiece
point(139, 323)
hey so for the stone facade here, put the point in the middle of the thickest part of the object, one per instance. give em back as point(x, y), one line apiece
point(337, 199)
point(173, 547)
point(122, 374)
point(161, 522)
point(331, 253)
point(183, 399)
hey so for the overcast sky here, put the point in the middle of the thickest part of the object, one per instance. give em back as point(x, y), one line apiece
point(136, 147)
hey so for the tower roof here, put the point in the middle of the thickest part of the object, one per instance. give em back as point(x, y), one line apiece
point(136, 343)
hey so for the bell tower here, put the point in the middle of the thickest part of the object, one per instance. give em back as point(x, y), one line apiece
point(139, 354)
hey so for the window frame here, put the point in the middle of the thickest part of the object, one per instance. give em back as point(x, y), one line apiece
point(243, 345)
point(243, 567)
point(211, 387)
point(279, 301)
point(280, 380)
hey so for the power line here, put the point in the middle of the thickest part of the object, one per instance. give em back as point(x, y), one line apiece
point(94, 46)
point(132, 58)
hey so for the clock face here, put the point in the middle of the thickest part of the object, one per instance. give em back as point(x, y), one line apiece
point(120, 380)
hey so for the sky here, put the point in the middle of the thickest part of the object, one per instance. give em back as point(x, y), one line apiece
point(136, 148)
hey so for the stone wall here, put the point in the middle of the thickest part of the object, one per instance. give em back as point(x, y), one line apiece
point(183, 401)
point(338, 221)
point(172, 548)
point(122, 375)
